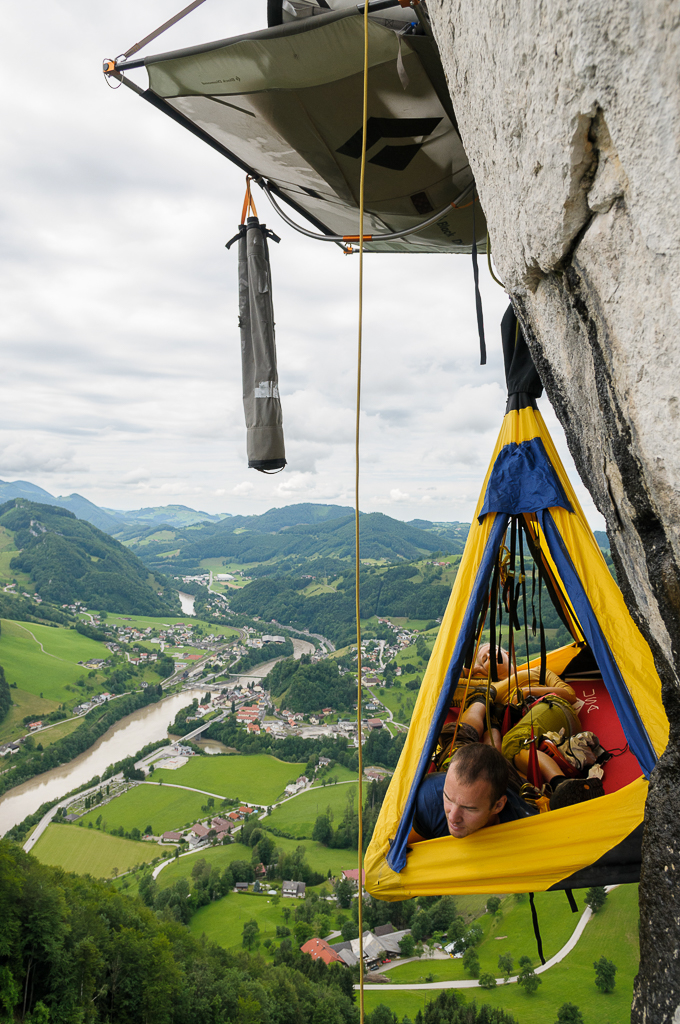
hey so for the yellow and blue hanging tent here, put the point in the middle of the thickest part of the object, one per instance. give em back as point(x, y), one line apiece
point(593, 843)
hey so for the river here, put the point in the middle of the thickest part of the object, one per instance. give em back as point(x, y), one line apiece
point(122, 740)
point(187, 601)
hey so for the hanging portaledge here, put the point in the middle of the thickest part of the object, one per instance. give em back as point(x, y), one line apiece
point(261, 402)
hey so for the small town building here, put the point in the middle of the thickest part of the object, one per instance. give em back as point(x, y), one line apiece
point(375, 723)
point(352, 875)
point(171, 837)
point(294, 889)
point(319, 949)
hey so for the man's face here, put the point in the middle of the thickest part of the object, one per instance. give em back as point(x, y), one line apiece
point(469, 807)
point(480, 669)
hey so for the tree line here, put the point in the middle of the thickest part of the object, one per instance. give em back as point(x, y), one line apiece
point(75, 951)
point(308, 686)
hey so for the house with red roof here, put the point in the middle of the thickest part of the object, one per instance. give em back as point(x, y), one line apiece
point(352, 875)
point(319, 949)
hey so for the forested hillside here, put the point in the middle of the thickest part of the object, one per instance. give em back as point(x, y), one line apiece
point(306, 687)
point(74, 949)
point(392, 591)
point(70, 560)
point(264, 538)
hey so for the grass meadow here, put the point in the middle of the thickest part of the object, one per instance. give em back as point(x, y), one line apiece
point(163, 807)
point(45, 672)
point(259, 778)
point(90, 852)
point(613, 932)
point(337, 771)
point(298, 815)
point(24, 703)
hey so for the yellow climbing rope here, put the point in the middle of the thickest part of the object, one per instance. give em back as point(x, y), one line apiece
point(357, 560)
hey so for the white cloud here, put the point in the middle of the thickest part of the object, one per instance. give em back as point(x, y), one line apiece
point(243, 489)
point(120, 309)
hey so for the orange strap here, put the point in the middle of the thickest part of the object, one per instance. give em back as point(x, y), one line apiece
point(248, 202)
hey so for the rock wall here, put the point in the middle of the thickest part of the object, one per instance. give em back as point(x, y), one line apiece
point(570, 115)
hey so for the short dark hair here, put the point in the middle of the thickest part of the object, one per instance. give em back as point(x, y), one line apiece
point(480, 761)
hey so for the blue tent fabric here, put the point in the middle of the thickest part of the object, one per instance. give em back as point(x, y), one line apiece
point(396, 858)
point(628, 715)
point(523, 480)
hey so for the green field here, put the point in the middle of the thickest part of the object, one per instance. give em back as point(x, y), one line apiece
point(46, 672)
point(89, 852)
point(23, 704)
point(163, 807)
point(319, 858)
point(389, 696)
point(259, 778)
point(612, 933)
point(337, 771)
point(509, 931)
point(223, 921)
point(57, 732)
point(298, 815)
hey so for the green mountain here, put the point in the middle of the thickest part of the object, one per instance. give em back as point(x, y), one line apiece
point(70, 560)
point(110, 520)
point(332, 537)
point(170, 515)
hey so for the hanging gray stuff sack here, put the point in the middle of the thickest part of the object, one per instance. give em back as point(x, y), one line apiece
point(261, 402)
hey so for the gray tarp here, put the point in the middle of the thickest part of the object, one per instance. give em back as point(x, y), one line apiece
point(261, 400)
point(286, 103)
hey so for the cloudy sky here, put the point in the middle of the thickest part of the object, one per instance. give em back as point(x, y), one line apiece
point(121, 366)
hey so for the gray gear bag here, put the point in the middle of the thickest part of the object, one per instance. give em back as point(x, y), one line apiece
point(261, 402)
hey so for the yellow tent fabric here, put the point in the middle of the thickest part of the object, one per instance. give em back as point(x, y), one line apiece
point(578, 845)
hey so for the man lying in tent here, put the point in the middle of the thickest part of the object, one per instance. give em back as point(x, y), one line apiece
point(482, 783)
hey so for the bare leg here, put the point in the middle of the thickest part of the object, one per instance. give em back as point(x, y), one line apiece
point(548, 767)
point(475, 716)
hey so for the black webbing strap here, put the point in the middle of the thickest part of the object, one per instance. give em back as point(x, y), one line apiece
point(478, 297)
point(523, 583)
point(572, 901)
point(537, 933)
point(493, 598)
point(544, 652)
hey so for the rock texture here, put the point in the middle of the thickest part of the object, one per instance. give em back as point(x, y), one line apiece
point(570, 115)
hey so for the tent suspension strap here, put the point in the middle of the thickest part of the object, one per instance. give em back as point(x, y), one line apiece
point(159, 31)
point(357, 558)
point(523, 582)
point(346, 239)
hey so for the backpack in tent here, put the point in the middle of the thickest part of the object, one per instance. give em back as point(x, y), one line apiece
point(527, 494)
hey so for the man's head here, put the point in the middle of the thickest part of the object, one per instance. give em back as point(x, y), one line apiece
point(480, 669)
point(474, 789)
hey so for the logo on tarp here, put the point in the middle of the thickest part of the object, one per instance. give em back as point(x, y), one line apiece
point(395, 158)
point(266, 389)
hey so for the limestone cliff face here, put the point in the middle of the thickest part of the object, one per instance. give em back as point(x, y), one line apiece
point(570, 115)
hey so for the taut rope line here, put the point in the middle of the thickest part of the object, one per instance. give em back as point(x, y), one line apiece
point(357, 559)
